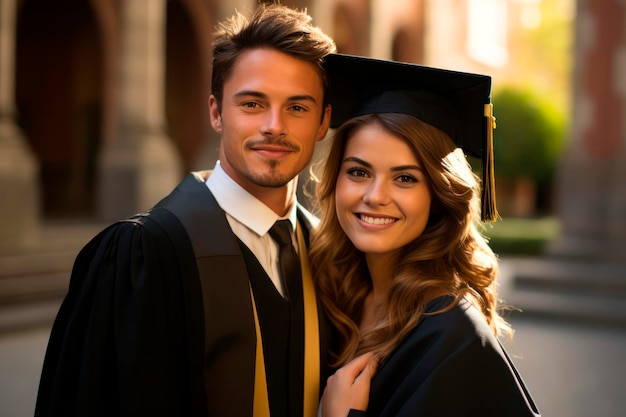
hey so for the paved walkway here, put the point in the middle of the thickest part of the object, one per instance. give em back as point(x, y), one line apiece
point(21, 357)
point(569, 344)
point(572, 370)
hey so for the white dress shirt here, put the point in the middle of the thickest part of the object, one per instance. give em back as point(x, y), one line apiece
point(250, 220)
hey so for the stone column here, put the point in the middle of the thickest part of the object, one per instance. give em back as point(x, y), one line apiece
point(228, 8)
point(582, 276)
point(139, 165)
point(592, 178)
point(19, 183)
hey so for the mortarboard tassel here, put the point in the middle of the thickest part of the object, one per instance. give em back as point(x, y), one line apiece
point(489, 211)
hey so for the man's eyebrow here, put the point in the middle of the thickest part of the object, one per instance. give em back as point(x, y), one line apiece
point(258, 94)
point(251, 93)
point(303, 97)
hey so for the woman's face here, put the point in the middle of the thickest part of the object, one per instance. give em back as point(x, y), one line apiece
point(382, 195)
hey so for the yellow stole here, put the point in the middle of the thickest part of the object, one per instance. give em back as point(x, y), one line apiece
point(311, 345)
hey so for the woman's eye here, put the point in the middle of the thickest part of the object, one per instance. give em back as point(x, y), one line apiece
point(407, 178)
point(357, 172)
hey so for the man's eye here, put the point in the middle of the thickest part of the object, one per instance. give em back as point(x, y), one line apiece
point(251, 104)
point(298, 108)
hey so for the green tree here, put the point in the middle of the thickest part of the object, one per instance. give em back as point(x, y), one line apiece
point(529, 135)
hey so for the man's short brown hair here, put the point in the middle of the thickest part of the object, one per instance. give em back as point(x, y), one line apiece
point(270, 26)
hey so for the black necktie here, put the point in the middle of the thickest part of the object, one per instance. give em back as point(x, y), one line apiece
point(290, 272)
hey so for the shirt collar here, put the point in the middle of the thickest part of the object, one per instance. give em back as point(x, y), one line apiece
point(243, 206)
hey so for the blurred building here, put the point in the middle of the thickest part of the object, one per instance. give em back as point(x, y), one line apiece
point(103, 103)
point(591, 188)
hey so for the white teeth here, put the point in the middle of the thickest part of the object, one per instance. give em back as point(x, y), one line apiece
point(377, 220)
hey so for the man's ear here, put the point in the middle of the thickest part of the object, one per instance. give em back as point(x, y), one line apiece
point(214, 111)
point(323, 130)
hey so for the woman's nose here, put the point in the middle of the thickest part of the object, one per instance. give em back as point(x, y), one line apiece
point(377, 193)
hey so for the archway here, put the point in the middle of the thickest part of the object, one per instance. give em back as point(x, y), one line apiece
point(186, 81)
point(59, 100)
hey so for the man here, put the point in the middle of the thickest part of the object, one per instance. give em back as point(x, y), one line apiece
point(182, 310)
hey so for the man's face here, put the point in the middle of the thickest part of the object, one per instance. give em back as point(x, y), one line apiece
point(271, 116)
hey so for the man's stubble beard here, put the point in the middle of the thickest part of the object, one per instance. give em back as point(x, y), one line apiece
point(271, 179)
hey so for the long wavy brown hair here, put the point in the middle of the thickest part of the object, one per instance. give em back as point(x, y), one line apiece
point(450, 256)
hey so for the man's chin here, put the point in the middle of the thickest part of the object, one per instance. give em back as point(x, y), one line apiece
point(271, 180)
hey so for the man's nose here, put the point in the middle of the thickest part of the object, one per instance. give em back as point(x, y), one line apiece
point(273, 123)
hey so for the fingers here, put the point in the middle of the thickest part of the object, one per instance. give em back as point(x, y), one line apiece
point(349, 387)
point(369, 370)
point(356, 367)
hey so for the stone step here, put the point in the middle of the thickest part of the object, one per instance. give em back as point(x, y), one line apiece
point(34, 263)
point(35, 275)
point(58, 236)
point(28, 315)
point(33, 288)
point(570, 276)
point(33, 281)
point(571, 307)
point(565, 289)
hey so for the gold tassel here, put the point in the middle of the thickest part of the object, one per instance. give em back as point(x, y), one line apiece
point(489, 211)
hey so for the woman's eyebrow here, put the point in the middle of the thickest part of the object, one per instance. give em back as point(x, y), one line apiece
point(357, 160)
point(407, 167)
point(397, 168)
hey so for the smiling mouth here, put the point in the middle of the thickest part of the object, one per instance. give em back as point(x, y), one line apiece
point(376, 220)
point(279, 146)
point(272, 149)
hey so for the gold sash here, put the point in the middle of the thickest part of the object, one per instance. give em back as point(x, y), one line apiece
point(311, 345)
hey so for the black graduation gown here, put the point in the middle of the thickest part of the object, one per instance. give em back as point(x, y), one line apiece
point(450, 365)
point(117, 347)
point(146, 328)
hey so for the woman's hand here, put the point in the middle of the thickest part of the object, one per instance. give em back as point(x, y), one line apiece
point(349, 387)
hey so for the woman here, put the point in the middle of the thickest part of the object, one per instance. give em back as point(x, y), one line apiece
point(399, 264)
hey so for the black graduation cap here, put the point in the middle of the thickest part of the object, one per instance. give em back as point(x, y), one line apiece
point(455, 102)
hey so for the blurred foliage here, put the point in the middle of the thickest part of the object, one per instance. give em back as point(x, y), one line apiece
point(516, 236)
point(542, 52)
point(533, 98)
point(529, 136)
